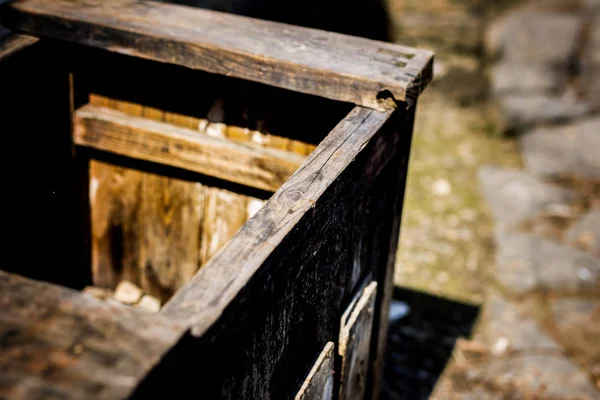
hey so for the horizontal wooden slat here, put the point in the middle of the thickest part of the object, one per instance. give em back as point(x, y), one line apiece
point(141, 138)
point(12, 43)
point(326, 64)
point(58, 343)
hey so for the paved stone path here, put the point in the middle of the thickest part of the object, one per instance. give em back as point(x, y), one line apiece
point(539, 333)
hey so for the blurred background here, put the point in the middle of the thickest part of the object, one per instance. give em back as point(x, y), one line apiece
point(501, 226)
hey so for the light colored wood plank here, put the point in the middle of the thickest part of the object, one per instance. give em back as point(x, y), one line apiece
point(355, 344)
point(318, 385)
point(109, 130)
point(12, 43)
point(331, 65)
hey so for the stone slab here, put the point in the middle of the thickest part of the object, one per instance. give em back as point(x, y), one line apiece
point(522, 111)
point(513, 195)
point(523, 78)
point(568, 150)
point(547, 376)
point(534, 36)
point(585, 233)
point(525, 263)
point(509, 326)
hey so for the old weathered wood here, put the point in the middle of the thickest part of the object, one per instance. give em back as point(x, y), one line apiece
point(105, 129)
point(388, 247)
point(318, 385)
point(273, 296)
point(157, 231)
point(355, 344)
point(12, 43)
point(58, 343)
point(269, 300)
point(339, 67)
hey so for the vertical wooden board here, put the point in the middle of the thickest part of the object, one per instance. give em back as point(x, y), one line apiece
point(157, 231)
point(225, 213)
point(355, 344)
point(318, 385)
point(115, 204)
point(145, 228)
point(170, 215)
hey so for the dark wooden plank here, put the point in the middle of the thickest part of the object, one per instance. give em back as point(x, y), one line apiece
point(387, 245)
point(12, 43)
point(339, 67)
point(318, 385)
point(273, 296)
point(58, 343)
point(109, 130)
point(355, 344)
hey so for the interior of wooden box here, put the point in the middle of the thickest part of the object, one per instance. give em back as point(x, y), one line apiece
point(155, 222)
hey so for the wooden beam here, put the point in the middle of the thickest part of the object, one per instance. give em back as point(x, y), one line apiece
point(12, 43)
point(331, 65)
point(114, 131)
point(60, 343)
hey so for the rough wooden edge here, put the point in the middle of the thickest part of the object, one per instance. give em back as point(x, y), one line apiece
point(60, 342)
point(114, 131)
point(326, 354)
point(386, 275)
point(350, 334)
point(13, 43)
point(363, 297)
point(203, 300)
point(365, 72)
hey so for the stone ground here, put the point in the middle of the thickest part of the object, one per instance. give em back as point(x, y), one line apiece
point(503, 198)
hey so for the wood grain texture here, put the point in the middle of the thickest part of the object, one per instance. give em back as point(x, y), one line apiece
point(331, 65)
point(58, 343)
point(12, 43)
point(318, 385)
point(153, 230)
point(387, 246)
point(156, 231)
point(273, 296)
point(109, 130)
point(355, 344)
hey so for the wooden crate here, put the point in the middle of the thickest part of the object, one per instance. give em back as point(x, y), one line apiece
point(248, 174)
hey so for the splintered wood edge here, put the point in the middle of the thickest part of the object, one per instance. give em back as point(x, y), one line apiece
point(365, 72)
point(139, 338)
point(358, 308)
point(13, 43)
point(326, 354)
point(203, 300)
